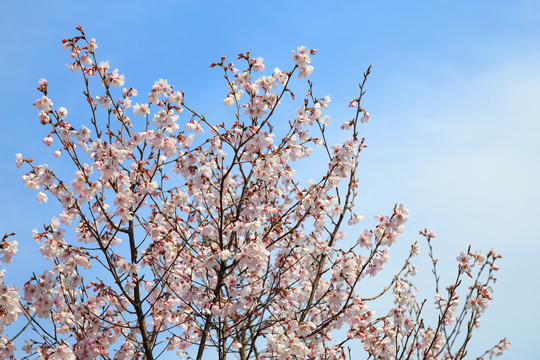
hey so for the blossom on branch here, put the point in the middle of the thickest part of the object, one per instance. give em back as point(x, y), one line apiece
point(204, 236)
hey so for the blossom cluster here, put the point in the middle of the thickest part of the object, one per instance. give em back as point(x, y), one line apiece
point(205, 235)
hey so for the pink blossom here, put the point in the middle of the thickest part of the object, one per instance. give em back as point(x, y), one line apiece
point(212, 239)
point(104, 101)
point(346, 125)
point(176, 97)
point(115, 79)
point(43, 118)
point(258, 64)
point(41, 197)
point(43, 104)
point(103, 67)
point(8, 249)
point(86, 60)
point(141, 110)
point(48, 140)
point(365, 118)
point(229, 100)
point(195, 127)
point(92, 46)
point(7, 348)
point(280, 76)
point(19, 160)
point(305, 71)
point(479, 303)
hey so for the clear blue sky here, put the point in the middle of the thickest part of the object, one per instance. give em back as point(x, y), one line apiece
point(453, 97)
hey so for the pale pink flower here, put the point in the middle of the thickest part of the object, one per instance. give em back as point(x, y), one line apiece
point(176, 98)
point(229, 100)
point(195, 127)
point(479, 303)
point(43, 104)
point(65, 44)
point(18, 160)
point(153, 97)
point(41, 197)
point(73, 67)
point(479, 258)
point(48, 140)
point(346, 125)
point(365, 118)
point(62, 112)
point(141, 110)
point(162, 86)
point(365, 239)
point(326, 100)
point(115, 79)
point(325, 120)
point(355, 219)
point(92, 46)
point(126, 102)
point(305, 71)
point(103, 67)
point(301, 58)
point(43, 118)
point(493, 253)
point(104, 101)
point(42, 85)
point(7, 251)
point(62, 352)
point(7, 348)
point(280, 76)
point(85, 59)
point(258, 64)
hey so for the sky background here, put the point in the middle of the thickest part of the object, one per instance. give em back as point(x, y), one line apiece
point(453, 98)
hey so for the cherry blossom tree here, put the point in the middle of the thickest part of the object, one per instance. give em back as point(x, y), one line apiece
point(180, 234)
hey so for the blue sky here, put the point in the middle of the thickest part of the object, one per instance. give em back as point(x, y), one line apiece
point(453, 97)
